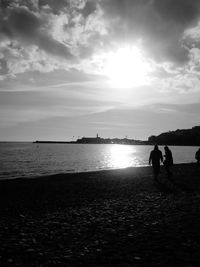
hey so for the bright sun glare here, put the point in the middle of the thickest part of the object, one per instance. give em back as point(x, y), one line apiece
point(126, 67)
point(122, 156)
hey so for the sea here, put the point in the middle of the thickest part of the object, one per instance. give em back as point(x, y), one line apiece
point(26, 159)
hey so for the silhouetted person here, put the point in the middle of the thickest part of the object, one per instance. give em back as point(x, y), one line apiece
point(197, 156)
point(155, 158)
point(168, 162)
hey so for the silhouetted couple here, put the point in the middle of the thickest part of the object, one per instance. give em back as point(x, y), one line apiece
point(156, 158)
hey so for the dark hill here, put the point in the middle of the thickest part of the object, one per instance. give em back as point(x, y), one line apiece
point(184, 137)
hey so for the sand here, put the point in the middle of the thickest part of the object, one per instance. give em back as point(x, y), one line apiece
point(107, 218)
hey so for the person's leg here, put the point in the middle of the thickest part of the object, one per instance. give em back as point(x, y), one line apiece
point(155, 176)
point(170, 172)
point(156, 170)
point(167, 170)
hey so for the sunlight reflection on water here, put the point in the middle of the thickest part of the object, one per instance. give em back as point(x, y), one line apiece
point(122, 156)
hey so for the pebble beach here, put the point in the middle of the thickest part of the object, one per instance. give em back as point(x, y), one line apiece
point(107, 218)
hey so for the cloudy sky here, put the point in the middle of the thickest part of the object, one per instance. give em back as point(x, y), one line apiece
point(72, 68)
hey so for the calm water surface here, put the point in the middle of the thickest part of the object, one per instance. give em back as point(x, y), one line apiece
point(30, 160)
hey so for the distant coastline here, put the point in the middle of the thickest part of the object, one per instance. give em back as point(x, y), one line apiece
point(54, 142)
point(98, 140)
point(184, 137)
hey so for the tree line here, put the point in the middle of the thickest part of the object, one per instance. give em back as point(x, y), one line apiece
point(186, 137)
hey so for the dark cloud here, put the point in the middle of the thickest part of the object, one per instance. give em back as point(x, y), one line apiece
point(53, 46)
point(4, 3)
point(3, 67)
point(21, 24)
point(180, 11)
point(89, 8)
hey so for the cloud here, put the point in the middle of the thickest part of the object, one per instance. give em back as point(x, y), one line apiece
point(70, 29)
point(23, 25)
point(159, 23)
point(90, 8)
point(66, 31)
point(27, 106)
point(183, 12)
point(56, 6)
point(49, 36)
point(40, 80)
point(3, 67)
point(193, 108)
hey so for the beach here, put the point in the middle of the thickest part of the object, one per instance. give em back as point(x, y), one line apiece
point(106, 218)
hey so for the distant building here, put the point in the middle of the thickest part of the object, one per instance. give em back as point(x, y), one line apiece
point(99, 140)
point(90, 140)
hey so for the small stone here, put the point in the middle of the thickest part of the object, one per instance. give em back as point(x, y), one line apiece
point(30, 250)
point(137, 258)
point(34, 241)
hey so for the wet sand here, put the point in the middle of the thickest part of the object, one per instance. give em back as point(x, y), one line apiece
point(107, 218)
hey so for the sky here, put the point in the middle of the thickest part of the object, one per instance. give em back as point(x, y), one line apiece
point(119, 68)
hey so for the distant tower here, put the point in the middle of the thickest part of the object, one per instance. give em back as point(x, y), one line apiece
point(97, 135)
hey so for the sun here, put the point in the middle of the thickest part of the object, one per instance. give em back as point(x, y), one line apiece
point(126, 67)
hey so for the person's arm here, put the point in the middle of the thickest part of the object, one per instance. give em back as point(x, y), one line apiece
point(150, 158)
point(161, 156)
point(171, 158)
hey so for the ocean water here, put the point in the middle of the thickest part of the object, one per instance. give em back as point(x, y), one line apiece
point(31, 159)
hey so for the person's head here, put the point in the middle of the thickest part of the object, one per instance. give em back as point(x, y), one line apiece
point(166, 148)
point(156, 147)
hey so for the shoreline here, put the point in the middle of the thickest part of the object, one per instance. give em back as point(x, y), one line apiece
point(40, 176)
point(106, 218)
point(71, 173)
